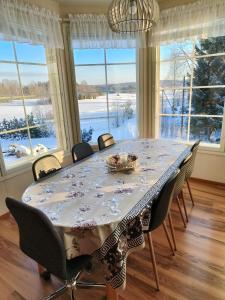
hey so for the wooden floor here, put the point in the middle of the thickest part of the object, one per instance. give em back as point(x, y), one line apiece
point(196, 272)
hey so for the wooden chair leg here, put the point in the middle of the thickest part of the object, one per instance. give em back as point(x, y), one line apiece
point(172, 231)
point(168, 237)
point(181, 213)
point(111, 294)
point(184, 205)
point(189, 189)
point(152, 252)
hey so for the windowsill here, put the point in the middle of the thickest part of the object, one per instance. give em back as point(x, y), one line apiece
point(26, 167)
point(21, 168)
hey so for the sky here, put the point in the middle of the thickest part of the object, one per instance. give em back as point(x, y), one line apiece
point(96, 74)
point(25, 53)
point(92, 74)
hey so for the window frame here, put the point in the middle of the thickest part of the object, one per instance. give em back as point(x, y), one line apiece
point(105, 64)
point(22, 164)
point(218, 148)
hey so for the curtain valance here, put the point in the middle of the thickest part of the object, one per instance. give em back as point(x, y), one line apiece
point(23, 22)
point(93, 31)
point(204, 18)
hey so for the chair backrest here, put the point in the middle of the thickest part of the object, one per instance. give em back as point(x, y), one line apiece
point(105, 140)
point(45, 166)
point(38, 237)
point(81, 151)
point(190, 167)
point(181, 176)
point(161, 205)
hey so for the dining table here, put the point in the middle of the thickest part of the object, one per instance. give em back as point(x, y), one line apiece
point(104, 213)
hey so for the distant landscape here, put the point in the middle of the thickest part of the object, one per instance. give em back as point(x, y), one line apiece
point(84, 90)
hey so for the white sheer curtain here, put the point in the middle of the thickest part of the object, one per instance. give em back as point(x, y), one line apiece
point(23, 22)
point(204, 18)
point(93, 31)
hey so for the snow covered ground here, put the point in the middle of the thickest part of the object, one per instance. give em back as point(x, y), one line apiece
point(93, 114)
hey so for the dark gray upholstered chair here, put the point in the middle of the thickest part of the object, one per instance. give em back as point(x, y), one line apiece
point(81, 151)
point(190, 168)
point(105, 140)
point(178, 191)
point(159, 212)
point(45, 166)
point(41, 242)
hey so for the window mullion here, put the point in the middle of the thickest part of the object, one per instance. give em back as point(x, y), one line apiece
point(190, 95)
point(107, 90)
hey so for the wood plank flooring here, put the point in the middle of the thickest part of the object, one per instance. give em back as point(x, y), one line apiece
point(196, 272)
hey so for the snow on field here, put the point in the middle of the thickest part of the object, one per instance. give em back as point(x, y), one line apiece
point(93, 114)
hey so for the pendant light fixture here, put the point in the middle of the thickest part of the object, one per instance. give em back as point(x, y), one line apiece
point(129, 16)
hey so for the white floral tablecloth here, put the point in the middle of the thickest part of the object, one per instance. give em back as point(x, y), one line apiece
point(102, 213)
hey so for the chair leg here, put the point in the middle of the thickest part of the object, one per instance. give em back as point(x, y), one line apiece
point(57, 293)
point(152, 252)
point(181, 213)
point(72, 297)
point(184, 204)
point(189, 189)
point(172, 231)
point(168, 237)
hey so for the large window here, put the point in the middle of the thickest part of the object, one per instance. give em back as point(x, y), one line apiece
point(192, 90)
point(106, 91)
point(27, 126)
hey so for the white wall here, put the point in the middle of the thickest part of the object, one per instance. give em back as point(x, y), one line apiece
point(210, 166)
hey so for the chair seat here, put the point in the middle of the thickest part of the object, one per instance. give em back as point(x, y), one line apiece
point(76, 265)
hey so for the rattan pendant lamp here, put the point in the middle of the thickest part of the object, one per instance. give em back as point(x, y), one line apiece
point(130, 16)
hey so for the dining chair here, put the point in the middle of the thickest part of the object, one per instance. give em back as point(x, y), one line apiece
point(81, 151)
point(45, 166)
point(105, 140)
point(159, 212)
point(190, 168)
point(40, 241)
point(178, 190)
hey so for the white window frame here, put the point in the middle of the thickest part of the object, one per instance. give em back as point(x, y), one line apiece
point(105, 64)
point(204, 146)
point(22, 164)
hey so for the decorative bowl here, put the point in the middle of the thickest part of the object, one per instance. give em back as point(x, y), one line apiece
point(122, 162)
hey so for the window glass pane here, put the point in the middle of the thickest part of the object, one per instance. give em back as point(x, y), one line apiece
point(42, 124)
point(30, 53)
point(15, 147)
point(6, 51)
point(210, 46)
point(174, 101)
point(87, 56)
point(170, 52)
point(39, 111)
point(209, 71)
point(122, 78)
point(173, 127)
point(175, 73)
point(34, 80)
point(90, 81)
point(122, 115)
point(93, 118)
point(206, 129)
point(9, 84)
point(121, 55)
point(107, 103)
point(12, 115)
point(208, 101)
point(43, 137)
